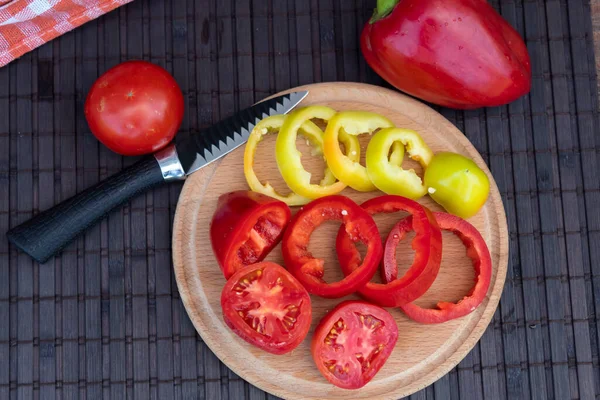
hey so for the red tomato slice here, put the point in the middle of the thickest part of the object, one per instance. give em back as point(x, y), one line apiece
point(267, 307)
point(245, 228)
point(352, 342)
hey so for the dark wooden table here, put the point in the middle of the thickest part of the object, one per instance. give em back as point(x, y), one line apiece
point(595, 8)
point(104, 320)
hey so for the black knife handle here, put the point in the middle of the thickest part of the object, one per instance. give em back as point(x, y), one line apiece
point(49, 231)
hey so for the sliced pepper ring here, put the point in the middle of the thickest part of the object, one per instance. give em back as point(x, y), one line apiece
point(245, 227)
point(308, 129)
point(390, 177)
point(289, 159)
point(345, 168)
point(428, 254)
point(477, 251)
point(357, 224)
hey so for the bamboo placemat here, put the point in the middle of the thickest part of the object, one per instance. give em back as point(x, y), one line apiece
point(104, 320)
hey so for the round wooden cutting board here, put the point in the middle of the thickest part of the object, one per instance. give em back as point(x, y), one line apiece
point(424, 353)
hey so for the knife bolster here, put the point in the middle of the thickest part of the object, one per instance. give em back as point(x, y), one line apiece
point(169, 163)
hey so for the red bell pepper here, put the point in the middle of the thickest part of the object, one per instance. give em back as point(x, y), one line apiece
point(428, 254)
point(245, 228)
point(477, 251)
point(455, 53)
point(357, 223)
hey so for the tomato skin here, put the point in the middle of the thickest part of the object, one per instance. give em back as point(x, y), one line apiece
point(272, 288)
point(134, 108)
point(380, 330)
point(456, 183)
point(245, 227)
point(356, 223)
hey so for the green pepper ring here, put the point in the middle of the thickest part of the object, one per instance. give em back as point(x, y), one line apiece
point(390, 177)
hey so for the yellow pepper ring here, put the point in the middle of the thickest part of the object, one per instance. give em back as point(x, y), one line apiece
point(397, 154)
point(389, 177)
point(289, 158)
point(347, 169)
point(270, 124)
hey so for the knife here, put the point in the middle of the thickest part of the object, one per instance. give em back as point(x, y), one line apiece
point(48, 232)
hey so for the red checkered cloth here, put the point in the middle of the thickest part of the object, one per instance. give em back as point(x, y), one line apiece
point(27, 24)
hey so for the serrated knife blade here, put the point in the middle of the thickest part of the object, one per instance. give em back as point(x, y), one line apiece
point(208, 145)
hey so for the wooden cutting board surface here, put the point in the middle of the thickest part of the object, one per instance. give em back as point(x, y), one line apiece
point(424, 353)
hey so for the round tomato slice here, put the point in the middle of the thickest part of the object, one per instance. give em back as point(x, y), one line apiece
point(352, 342)
point(267, 307)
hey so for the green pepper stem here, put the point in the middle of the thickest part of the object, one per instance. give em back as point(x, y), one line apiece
point(384, 8)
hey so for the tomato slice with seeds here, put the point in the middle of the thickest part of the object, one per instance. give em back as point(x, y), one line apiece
point(245, 228)
point(267, 307)
point(353, 342)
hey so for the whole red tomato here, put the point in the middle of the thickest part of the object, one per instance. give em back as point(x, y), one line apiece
point(134, 108)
